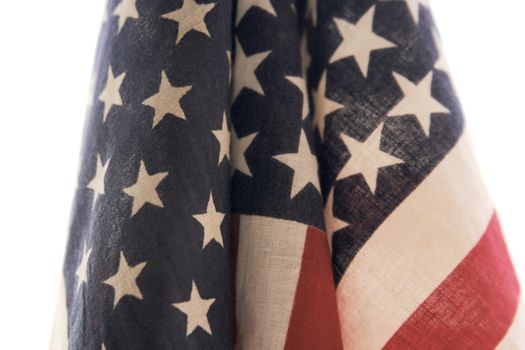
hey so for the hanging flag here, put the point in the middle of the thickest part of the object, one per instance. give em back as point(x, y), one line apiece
point(263, 174)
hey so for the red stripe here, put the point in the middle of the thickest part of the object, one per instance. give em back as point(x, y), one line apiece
point(472, 308)
point(314, 323)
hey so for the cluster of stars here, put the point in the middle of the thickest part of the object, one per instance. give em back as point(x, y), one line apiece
point(303, 162)
point(166, 101)
point(358, 42)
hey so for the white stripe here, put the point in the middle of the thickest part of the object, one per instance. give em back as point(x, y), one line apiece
point(515, 337)
point(268, 265)
point(59, 336)
point(413, 250)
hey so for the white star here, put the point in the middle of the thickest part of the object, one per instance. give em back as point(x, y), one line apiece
point(359, 40)
point(323, 106)
point(333, 224)
point(196, 310)
point(110, 96)
point(124, 281)
point(223, 137)
point(144, 190)
point(301, 85)
point(413, 7)
point(97, 183)
point(81, 272)
point(190, 17)
point(124, 10)
point(366, 158)
point(244, 71)
point(238, 151)
point(441, 62)
point(304, 166)
point(417, 101)
point(244, 5)
point(167, 100)
point(211, 221)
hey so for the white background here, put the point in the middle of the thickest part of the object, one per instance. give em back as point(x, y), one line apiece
point(46, 54)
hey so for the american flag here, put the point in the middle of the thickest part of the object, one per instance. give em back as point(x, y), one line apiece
point(280, 174)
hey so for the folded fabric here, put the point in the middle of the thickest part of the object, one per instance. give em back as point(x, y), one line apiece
point(292, 174)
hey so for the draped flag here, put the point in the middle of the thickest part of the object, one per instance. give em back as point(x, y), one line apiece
point(280, 174)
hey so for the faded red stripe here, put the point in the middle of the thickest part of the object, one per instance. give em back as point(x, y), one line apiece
point(314, 323)
point(472, 308)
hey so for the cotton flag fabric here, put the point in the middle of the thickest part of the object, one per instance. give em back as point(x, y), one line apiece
point(263, 174)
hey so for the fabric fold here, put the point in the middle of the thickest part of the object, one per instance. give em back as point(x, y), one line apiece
point(262, 174)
